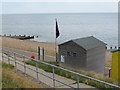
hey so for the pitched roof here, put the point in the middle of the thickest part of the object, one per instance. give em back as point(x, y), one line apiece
point(115, 50)
point(88, 42)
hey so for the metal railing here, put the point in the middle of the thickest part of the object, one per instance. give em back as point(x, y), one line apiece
point(53, 66)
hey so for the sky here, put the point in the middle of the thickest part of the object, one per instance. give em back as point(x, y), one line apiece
point(63, 6)
point(60, 1)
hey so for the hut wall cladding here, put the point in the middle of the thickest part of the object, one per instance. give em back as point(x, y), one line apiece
point(78, 61)
point(96, 59)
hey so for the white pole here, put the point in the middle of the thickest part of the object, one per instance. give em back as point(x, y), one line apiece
point(55, 43)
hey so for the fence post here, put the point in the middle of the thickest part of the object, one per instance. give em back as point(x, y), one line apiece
point(43, 53)
point(15, 60)
point(38, 53)
point(24, 65)
point(53, 78)
point(78, 82)
point(8, 59)
point(2, 56)
point(109, 73)
point(112, 88)
point(37, 70)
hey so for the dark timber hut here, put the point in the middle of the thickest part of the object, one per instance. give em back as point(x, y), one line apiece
point(83, 54)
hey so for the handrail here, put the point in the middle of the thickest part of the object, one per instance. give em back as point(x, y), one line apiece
point(112, 85)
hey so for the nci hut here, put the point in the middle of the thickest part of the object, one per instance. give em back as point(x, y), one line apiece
point(83, 54)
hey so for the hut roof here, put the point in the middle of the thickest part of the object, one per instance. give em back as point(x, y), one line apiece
point(115, 50)
point(88, 42)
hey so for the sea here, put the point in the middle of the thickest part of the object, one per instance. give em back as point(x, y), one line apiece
point(103, 26)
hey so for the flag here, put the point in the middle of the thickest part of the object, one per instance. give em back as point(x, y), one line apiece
point(57, 30)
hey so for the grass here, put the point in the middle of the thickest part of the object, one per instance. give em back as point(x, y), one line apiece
point(74, 77)
point(11, 79)
point(10, 66)
point(108, 63)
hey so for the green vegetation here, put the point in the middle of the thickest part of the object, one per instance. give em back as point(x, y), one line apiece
point(11, 79)
point(10, 66)
point(66, 74)
point(7, 80)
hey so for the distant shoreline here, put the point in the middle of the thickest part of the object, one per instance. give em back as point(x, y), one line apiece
point(109, 48)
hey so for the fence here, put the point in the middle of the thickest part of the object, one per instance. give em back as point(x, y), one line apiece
point(53, 67)
point(41, 52)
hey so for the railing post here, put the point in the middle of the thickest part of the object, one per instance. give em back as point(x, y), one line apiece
point(53, 78)
point(38, 53)
point(112, 88)
point(8, 60)
point(24, 65)
point(8, 57)
point(77, 82)
point(2, 56)
point(37, 70)
point(15, 60)
point(43, 53)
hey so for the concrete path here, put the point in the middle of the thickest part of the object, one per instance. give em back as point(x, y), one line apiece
point(44, 79)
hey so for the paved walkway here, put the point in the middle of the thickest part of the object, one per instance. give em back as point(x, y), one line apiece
point(44, 79)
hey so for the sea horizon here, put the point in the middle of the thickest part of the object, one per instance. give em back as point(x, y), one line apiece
point(63, 13)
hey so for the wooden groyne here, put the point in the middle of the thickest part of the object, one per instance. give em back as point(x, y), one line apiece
point(21, 37)
point(112, 48)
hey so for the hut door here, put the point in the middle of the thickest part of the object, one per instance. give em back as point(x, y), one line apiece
point(62, 58)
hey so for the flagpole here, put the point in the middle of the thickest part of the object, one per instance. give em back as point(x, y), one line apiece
point(57, 35)
point(56, 44)
point(56, 49)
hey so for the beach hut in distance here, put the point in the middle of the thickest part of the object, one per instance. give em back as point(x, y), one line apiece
point(83, 54)
point(116, 65)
